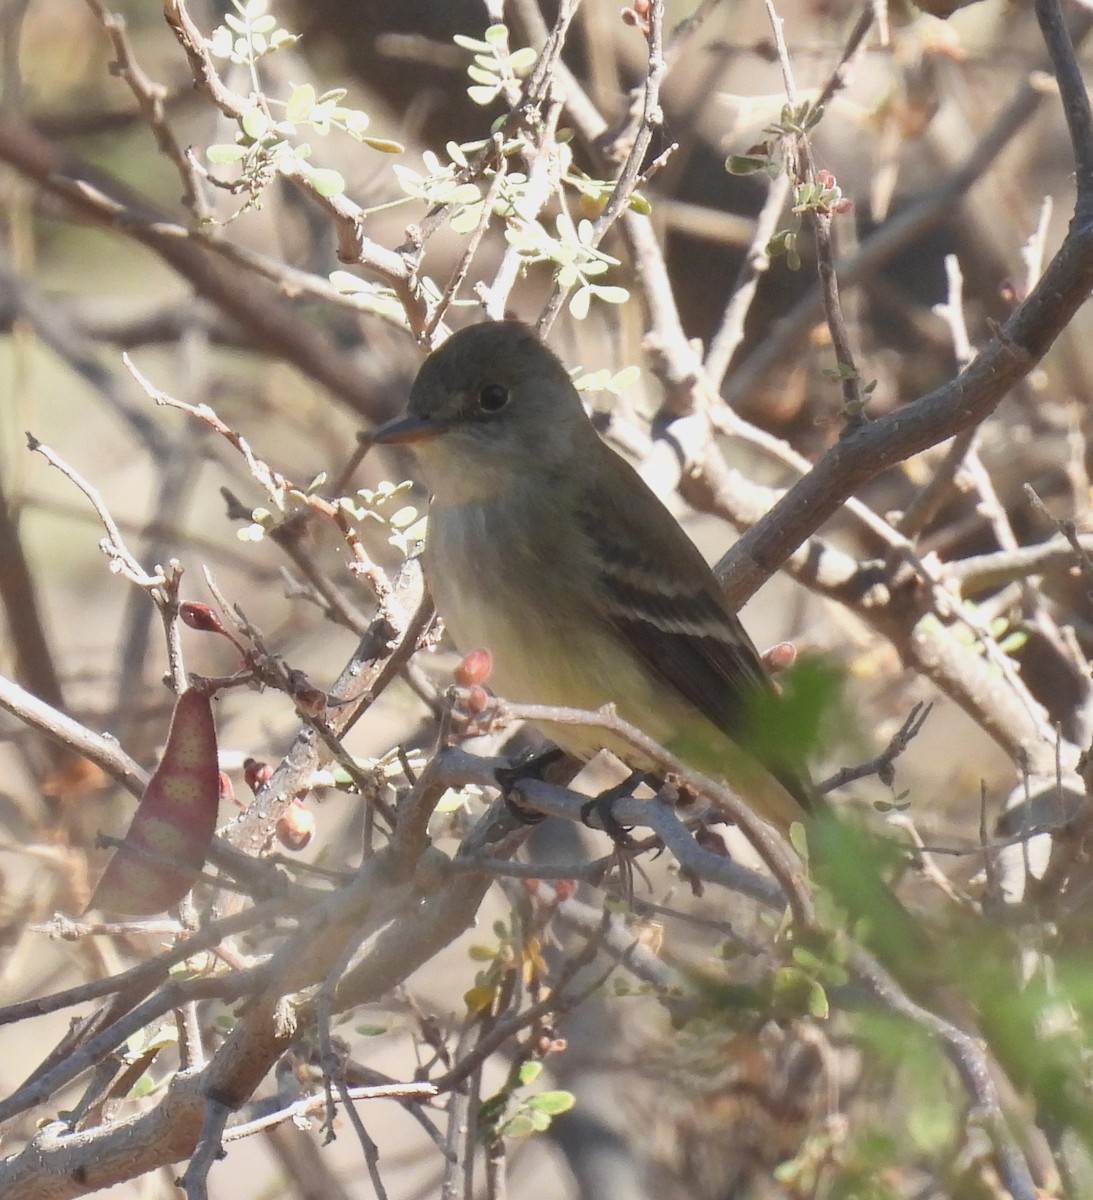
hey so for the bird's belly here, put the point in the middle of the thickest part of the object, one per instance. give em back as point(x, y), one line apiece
point(547, 647)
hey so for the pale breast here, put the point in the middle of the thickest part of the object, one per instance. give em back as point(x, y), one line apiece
point(494, 590)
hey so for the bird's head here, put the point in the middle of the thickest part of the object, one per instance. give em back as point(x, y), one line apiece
point(492, 397)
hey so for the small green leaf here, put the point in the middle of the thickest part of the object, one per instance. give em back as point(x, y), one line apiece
point(464, 193)
point(405, 516)
point(484, 75)
point(220, 44)
point(744, 164)
point(384, 145)
point(519, 1126)
point(141, 1088)
point(1013, 641)
point(818, 1006)
point(529, 1072)
point(625, 378)
point(469, 43)
point(466, 220)
point(552, 1102)
point(255, 124)
point(483, 95)
point(611, 295)
point(224, 152)
point(300, 103)
point(521, 61)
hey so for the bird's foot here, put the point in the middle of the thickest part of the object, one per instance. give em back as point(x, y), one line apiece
point(602, 805)
point(530, 766)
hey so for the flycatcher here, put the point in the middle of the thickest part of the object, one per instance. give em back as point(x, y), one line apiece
point(549, 549)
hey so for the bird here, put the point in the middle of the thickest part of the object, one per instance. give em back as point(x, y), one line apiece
point(548, 548)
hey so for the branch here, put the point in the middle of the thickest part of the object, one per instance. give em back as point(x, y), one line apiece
point(273, 324)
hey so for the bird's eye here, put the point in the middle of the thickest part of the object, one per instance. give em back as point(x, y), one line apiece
point(493, 397)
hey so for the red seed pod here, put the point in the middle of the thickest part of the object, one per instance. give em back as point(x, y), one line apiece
point(564, 889)
point(476, 701)
point(475, 667)
point(199, 616)
point(165, 846)
point(227, 791)
point(297, 827)
point(825, 179)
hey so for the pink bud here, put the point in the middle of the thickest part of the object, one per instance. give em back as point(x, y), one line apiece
point(475, 667)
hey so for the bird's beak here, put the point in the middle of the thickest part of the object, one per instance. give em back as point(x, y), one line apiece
point(409, 428)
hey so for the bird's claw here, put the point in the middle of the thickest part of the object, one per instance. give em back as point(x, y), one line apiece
point(532, 766)
point(603, 804)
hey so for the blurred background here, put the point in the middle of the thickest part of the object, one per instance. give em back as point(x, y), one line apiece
point(949, 141)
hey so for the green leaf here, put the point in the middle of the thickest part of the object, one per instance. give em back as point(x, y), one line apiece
point(224, 152)
point(1013, 642)
point(744, 164)
point(469, 43)
point(452, 799)
point(255, 124)
point(625, 378)
point(300, 103)
point(483, 95)
point(220, 44)
point(579, 304)
point(464, 193)
point(497, 35)
point(818, 1006)
point(552, 1102)
point(521, 61)
point(405, 516)
point(384, 145)
point(529, 1072)
point(483, 75)
point(611, 295)
point(466, 220)
point(141, 1088)
point(519, 1126)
